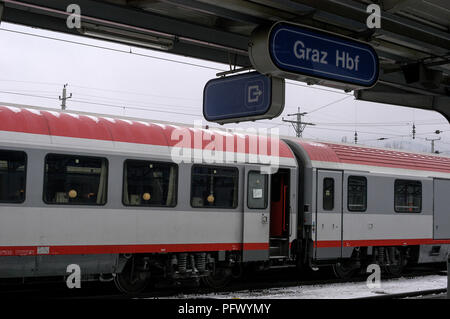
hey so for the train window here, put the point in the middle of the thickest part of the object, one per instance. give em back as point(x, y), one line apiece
point(12, 176)
point(357, 193)
point(408, 196)
point(214, 187)
point(257, 190)
point(328, 193)
point(75, 180)
point(149, 183)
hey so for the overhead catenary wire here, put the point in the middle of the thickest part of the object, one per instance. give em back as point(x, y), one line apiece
point(155, 57)
point(329, 104)
point(49, 94)
point(135, 107)
point(92, 88)
point(103, 104)
point(111, 49)
point(391, 136)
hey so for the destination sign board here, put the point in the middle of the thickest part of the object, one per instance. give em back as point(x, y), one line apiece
point(243, 97)
point(314, 56)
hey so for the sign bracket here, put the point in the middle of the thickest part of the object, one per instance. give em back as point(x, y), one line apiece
point(233, 71)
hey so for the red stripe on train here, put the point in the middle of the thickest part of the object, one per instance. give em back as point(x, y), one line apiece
point(116, 249)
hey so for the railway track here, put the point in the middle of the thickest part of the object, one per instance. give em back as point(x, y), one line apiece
point(412, 294)
point(254, 282)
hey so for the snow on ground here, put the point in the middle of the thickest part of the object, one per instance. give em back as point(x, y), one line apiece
point(335, 291)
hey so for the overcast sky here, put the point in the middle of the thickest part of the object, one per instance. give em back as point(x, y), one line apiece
point(106, 78)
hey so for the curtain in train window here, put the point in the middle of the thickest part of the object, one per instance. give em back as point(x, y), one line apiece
point(408, 196)
point(12, 176)
point(357, 193)
point(75, 180)
point(328, 193)
point(214, 187)
point(150, 183)
point(257, 190)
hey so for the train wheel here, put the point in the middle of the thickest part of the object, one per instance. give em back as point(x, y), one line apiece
point(219, 279)
point(344, 269)
point(130, 281)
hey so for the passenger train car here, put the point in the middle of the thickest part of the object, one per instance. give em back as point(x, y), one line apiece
point(134, 201)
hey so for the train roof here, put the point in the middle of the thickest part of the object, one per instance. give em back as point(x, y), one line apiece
point(103, 132)
point(112, 133)
point(379, 160)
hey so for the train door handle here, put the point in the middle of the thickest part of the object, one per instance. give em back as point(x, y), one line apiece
point(264, 219)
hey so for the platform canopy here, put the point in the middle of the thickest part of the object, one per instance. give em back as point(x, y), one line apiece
point(413, 43)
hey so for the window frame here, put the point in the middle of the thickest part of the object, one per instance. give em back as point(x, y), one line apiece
point(266, 200)
point(395, 194)
point(25, 180)
point(236, 169)
point(323, 193)
point(151, 161)
point(75, 204)
point(348, 193)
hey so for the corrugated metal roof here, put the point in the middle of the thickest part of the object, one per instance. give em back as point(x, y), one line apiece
point(369, 156)
point(65, 124)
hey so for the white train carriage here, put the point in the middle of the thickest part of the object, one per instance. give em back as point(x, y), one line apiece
point(370, 205)
point(105, 193)
point(127, 200)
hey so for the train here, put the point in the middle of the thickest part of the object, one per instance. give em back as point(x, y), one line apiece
point(135, 201)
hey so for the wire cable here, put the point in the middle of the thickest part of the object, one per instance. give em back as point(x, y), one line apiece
point(329, 104)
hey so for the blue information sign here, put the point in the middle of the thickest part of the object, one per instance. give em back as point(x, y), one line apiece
point(304, 53)
point(243, 97)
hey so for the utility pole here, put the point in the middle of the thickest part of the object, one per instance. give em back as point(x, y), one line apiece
point(64, 97)
point(298, 125)
point(432, 140)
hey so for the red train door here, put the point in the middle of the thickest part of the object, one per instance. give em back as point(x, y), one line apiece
point(279, 214)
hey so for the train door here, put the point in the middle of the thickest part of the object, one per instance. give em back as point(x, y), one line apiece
point(280, 214)
point(256, 220)
point(328, 215)
point(441, 218)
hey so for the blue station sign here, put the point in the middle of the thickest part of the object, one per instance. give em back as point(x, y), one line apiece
point(243, 97)
point(307, 54)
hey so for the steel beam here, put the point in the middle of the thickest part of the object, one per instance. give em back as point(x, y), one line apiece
point(393, 6)
point(391, 25)
point(406, 96)
point(217, 11)
point(2, 6)
point(191, 34)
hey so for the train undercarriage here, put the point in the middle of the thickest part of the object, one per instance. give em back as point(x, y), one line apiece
point(216, 269)
point(134, 273)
